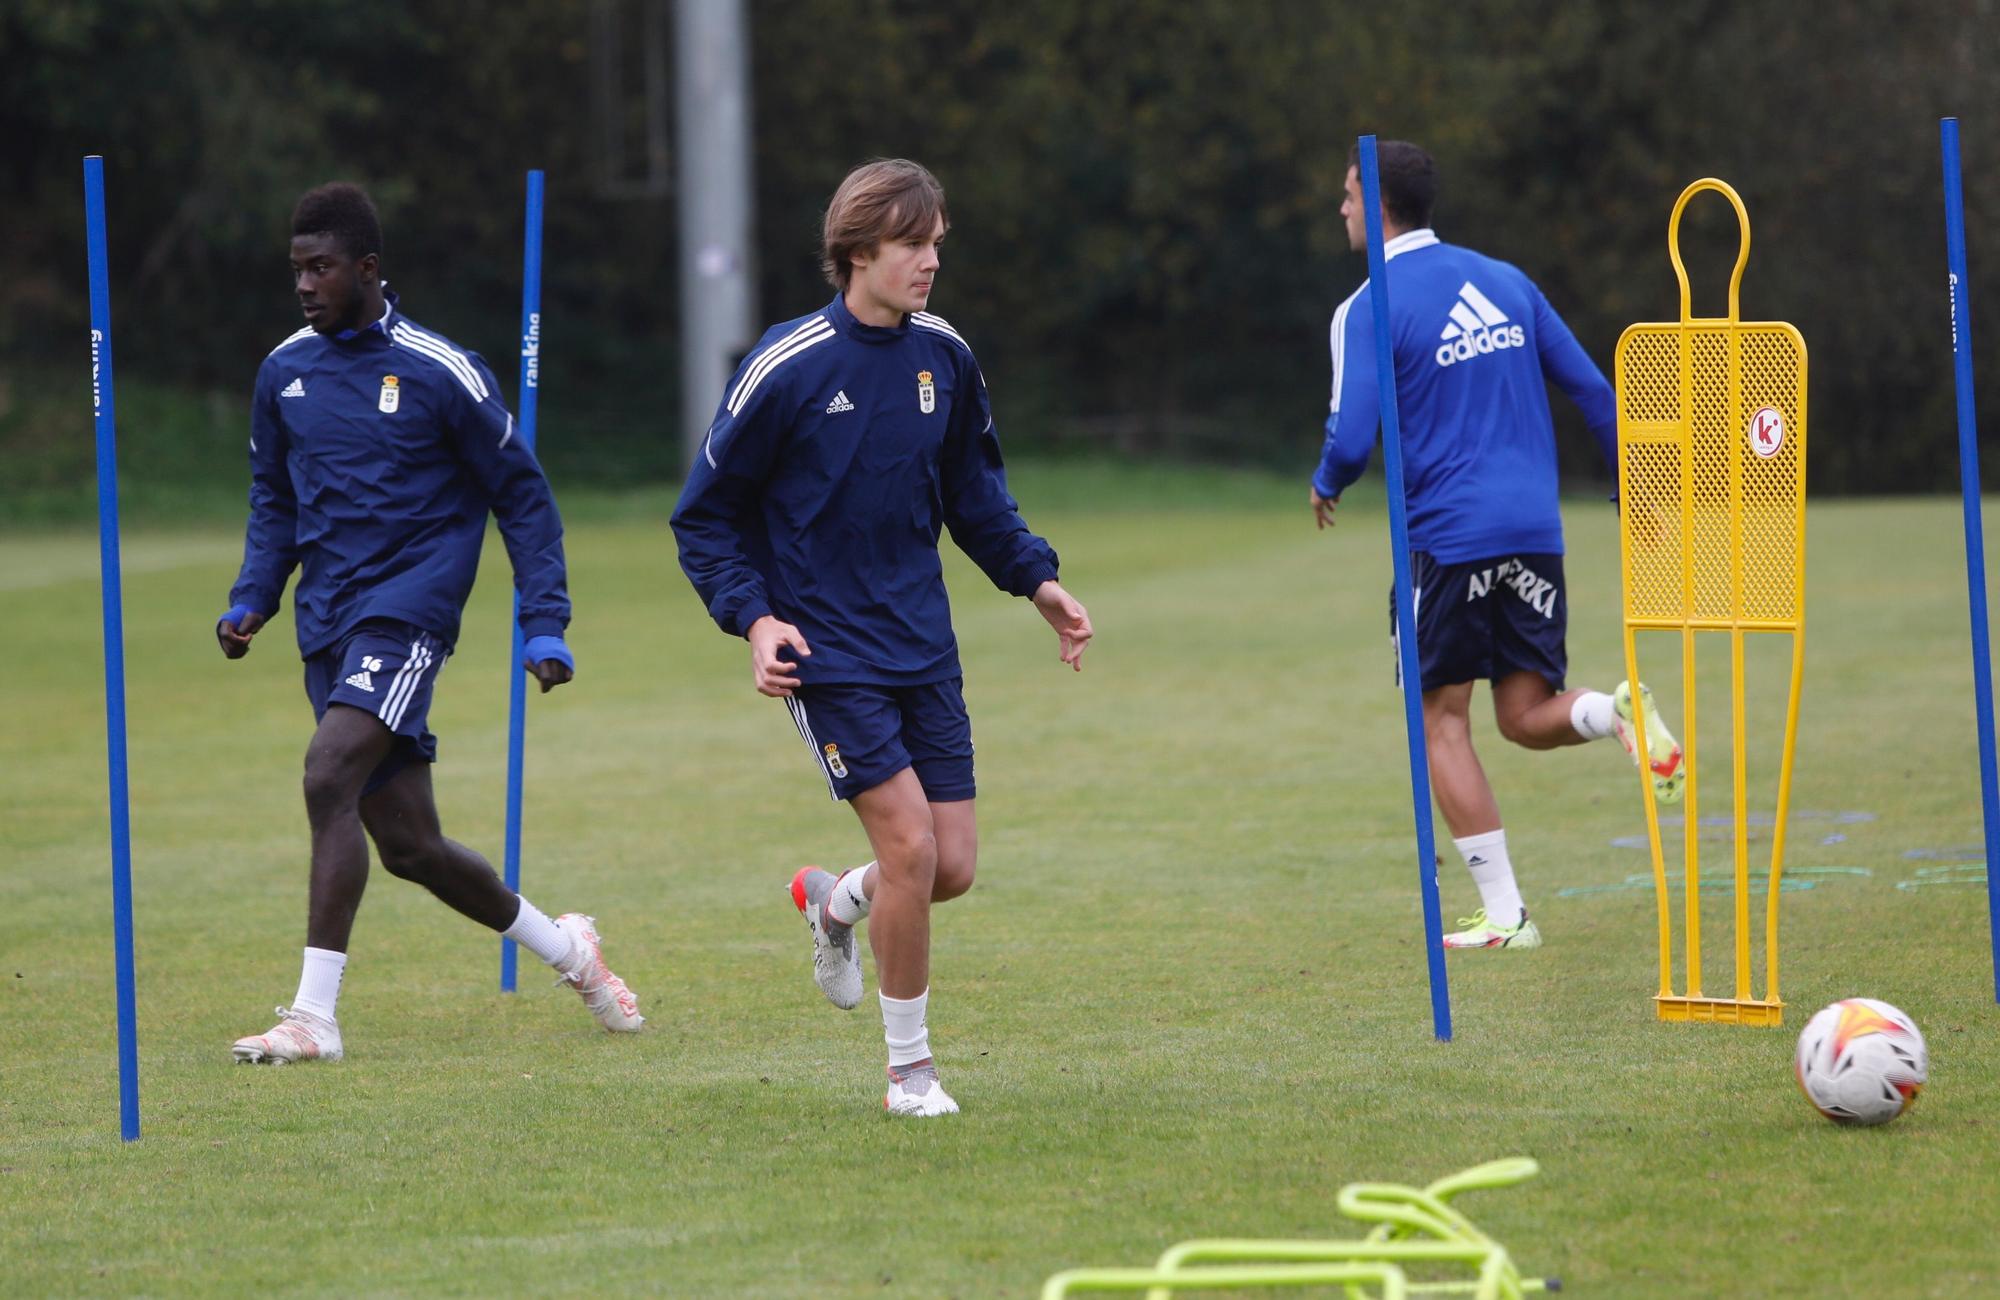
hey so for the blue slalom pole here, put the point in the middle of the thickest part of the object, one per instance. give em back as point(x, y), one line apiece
point(114, 644)
point(1960, 287)
point(524, 428)
point(1406, 614)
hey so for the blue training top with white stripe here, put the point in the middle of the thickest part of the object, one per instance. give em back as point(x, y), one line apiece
point(1476, 344)
point(838, 455)
point(375, 457)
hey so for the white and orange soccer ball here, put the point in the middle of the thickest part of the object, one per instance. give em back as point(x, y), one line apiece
point(1861, 1062)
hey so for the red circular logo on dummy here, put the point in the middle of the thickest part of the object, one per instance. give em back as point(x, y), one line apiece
point(1767, 431)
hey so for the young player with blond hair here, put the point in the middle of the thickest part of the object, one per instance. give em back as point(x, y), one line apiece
point(845, 444)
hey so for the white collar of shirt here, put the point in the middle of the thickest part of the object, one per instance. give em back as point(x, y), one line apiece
point(1422, 237)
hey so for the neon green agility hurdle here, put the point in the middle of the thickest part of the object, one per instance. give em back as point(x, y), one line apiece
point(1413, 1226)
point(1228, 1277)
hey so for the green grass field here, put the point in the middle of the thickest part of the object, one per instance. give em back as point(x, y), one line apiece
point(1186, 999)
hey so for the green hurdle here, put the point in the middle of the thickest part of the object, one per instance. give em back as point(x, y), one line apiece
point(1235, 1277)
point(1494, 1270)
point(1411, 1226)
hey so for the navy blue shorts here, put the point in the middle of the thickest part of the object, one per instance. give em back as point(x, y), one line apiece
point(1487, 619)
point(861, 735)
point(385, 668)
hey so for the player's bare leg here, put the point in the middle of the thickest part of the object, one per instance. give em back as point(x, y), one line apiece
point(833, 905)
point(1457, 780)
point(901, 828)
point(345, 748)
point(402, 819)
point(957, 832)
point(897, 818)
point(1531, 714)
point(1465, 798)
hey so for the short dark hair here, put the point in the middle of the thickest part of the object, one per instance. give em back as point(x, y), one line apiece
point(343, 211)
point(1409, 180)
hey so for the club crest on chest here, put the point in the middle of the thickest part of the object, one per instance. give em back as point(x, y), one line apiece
point(926, 392)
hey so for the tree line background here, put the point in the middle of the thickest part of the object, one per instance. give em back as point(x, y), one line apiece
point(1146, 247)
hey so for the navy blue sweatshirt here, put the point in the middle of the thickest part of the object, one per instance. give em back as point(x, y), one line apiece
point(839, 454)
point(374, 460)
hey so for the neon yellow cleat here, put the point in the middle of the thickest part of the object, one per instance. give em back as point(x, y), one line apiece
point(1669, 776)
point(1476, 931)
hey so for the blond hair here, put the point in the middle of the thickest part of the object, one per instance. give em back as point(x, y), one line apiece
point(884, 200)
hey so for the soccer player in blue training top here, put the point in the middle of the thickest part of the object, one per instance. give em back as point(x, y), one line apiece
point(376, 450)
point(1476, 344)
point(809, 525)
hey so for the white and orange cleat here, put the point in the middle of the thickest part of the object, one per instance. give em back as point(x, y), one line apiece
point(298, 1036)
point(914, 1090)
point(615, 1006)
point(836, 961)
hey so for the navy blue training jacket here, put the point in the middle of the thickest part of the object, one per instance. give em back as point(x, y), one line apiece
point(1476, 346)
point(374, 460)
point(838, 455)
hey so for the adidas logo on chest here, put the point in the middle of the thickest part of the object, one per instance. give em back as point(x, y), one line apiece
point(839, 403)
point(1476, 328)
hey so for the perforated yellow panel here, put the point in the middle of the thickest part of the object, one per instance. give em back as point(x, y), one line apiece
point(1652, 495)
point(1649, 378)
point(1713, 487)
point(1773, 375)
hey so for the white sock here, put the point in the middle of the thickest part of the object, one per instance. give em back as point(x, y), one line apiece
point(903, 1028)
point(1593, 714)
point(849, 905)
point(1486, 858)
point(319, 982)
point(539, 935)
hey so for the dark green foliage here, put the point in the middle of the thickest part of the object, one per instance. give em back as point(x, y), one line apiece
point(1147, 245)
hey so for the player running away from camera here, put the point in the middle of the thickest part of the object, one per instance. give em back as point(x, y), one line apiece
point(847, 440)
point(377, 450)
point(1476, 344)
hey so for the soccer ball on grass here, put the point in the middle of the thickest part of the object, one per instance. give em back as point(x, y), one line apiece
point(1861, 1062)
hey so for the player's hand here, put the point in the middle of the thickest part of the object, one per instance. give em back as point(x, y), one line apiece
point(551, 674)
point(1070, 620)
point(234, 630)
point(1323, 509)
point(549, 660)
point(771, 675)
